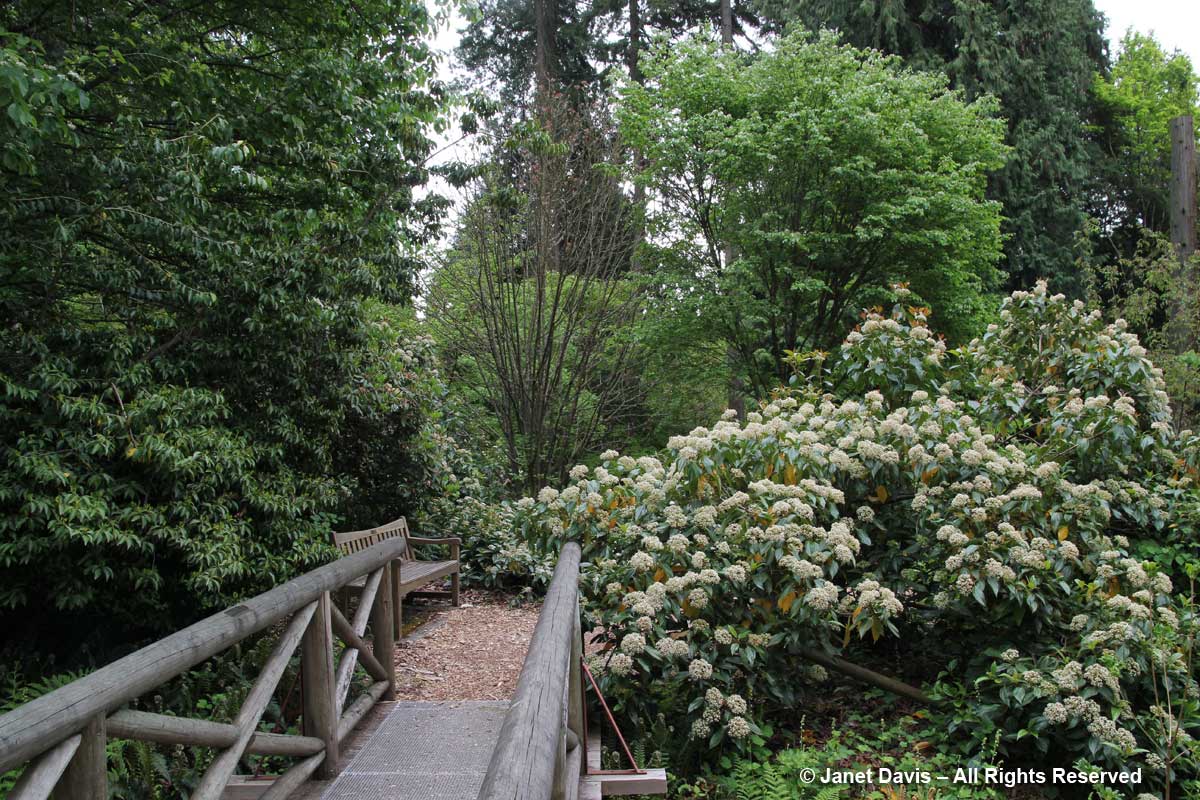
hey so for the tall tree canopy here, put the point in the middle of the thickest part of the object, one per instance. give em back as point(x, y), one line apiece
point(582, 39)
point(1145, 90)
point(789, 190)
point(200, 204)
point(1039, 57)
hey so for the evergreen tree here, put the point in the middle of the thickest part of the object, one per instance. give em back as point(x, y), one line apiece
point(586, 39)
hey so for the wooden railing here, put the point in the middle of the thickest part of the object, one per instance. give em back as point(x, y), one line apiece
point(63, 733)
point(539, 755)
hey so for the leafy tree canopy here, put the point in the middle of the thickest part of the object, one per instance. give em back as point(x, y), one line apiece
point(1145, 90)
point(1039, 57)
point(199, 202)
point(828, 173)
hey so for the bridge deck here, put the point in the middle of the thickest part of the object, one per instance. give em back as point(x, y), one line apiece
point(423, 751)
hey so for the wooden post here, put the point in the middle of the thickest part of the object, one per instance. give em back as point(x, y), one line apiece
point(383, 622)
point(320, 702)
point(86, 776)
point(1183, 185)
point(396, 568)
point(454, 577)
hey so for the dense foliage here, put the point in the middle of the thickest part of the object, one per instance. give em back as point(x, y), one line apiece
point(1039, 58)
point(1145, 89)
point(203, 207)
point(988, 497)
point(789, 190)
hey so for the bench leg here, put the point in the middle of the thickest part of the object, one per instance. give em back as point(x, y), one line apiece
point(454, 589)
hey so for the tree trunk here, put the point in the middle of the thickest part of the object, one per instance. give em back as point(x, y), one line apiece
point(727, 22)
point(1183, 185)
point(632, 54)
point(545, 25)
point(1183, 220)
point(634, 50)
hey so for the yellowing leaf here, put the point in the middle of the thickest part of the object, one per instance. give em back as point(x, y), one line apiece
point(789, 475)
point(785, 602)
point(131, 452)
point(1063, 532)
point(660, 575)
point(770, 468)
point(928, 474)
point(881, 494)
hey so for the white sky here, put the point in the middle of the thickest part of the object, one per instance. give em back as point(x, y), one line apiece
point(1175, 23)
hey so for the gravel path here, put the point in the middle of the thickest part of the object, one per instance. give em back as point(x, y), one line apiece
point(473, 652)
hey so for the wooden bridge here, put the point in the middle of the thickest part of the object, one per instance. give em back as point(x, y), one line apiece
point(533, 749)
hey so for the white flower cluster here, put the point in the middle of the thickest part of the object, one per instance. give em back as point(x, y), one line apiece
point(778, 526)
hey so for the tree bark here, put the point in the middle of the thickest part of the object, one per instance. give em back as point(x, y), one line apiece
point(634, 51)
point(545, 24)
point(727, 22)
point(632, 55)
point(1183, 186)
point(1183, 223)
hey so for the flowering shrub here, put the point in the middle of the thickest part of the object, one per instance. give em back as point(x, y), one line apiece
point(983, 498)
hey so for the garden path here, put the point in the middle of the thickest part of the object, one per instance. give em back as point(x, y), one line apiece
point(456, 671)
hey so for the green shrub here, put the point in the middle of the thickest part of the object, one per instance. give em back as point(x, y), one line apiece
point(987, 498)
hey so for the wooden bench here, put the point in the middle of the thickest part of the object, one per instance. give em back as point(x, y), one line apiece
point(409, 574)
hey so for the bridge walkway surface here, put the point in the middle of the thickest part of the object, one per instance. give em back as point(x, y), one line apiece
point(418, 751)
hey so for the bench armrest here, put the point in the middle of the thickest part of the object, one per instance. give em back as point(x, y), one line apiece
point(453, 541)
point(439, 540)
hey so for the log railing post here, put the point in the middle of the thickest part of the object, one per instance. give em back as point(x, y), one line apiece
point(86, 776)
point(397, 600)
point(383, 621)
point(319, 685)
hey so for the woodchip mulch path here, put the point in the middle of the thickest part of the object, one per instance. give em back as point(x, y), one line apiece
point(473, 652)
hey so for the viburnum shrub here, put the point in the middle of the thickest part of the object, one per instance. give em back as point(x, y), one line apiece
point(982, 500)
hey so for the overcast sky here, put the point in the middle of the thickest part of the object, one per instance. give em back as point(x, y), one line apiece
point(1176, 23)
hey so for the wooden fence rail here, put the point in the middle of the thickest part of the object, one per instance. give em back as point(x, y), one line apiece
point(539, 755)
point(63, 733)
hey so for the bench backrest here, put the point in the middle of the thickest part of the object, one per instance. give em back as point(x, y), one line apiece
point(353, 541)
